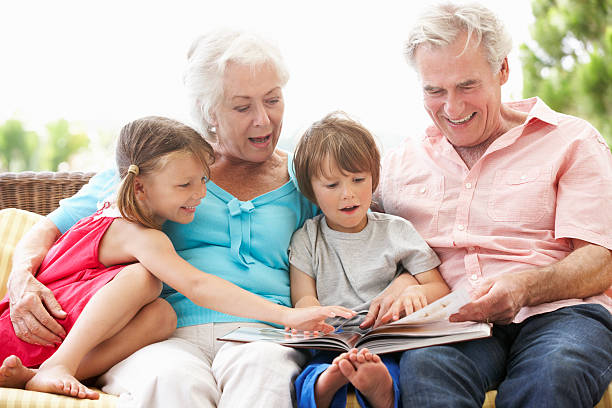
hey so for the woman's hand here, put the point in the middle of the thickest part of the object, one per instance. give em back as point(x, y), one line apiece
point(33, 310)
point(313, 318)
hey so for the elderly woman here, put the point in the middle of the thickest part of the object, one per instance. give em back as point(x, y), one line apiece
point(241, 233)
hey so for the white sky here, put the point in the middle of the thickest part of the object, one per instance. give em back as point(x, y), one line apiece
point(101, 64)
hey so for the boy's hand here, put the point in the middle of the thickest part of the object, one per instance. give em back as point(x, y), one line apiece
point(388, 308)
point(313, 318)
point(413, 298)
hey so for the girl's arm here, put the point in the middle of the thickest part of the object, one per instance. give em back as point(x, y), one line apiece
point(303, 288)
point(155, 252)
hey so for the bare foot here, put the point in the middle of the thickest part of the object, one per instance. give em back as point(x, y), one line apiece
point(329, 382)
point(58, 380)
point(13, 374)
point(370, 376)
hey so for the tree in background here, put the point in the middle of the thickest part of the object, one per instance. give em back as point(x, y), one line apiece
point(570, 64)
point(62, 144)
point(18, 147)
point(21, 150)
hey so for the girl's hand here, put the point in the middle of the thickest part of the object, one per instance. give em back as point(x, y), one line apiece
point(313, 318)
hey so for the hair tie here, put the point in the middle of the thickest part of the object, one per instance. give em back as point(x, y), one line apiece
point(133, 169)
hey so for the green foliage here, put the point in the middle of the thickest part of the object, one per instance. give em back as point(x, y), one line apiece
point(21, 149)
point(17, 146)
point(570, 64)
point(62, 144)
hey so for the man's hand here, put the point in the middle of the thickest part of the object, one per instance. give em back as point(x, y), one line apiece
point(496, 300)
point(33, 310)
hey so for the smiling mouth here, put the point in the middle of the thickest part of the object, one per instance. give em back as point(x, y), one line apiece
point(263, 139)
point(348, 209)
point(461, 121)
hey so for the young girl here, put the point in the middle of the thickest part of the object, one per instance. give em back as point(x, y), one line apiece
point(348, 256)
point(164, 167)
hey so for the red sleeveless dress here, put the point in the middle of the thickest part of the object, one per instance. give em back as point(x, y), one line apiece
point(72, 271)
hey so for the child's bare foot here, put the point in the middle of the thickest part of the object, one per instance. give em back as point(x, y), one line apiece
point(58, 380)
point(329, 382)
point(370, 376)
point(13, 374)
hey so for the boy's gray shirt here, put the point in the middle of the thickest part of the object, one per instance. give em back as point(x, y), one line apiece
point(351, 269)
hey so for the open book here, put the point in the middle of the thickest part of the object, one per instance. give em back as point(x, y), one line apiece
point(426, 327)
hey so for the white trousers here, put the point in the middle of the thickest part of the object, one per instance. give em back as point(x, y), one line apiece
point(193, 369)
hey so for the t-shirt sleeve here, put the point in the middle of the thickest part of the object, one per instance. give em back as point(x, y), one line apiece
point(85, 202)
point(415, 254)
point(584, 192)
point(301, 251)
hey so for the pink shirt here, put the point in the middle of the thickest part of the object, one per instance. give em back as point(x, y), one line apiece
point(537, 186)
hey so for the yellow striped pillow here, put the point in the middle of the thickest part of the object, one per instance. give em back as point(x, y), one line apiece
point(13, 224)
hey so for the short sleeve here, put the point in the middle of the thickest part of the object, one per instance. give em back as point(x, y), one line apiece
point(415, 254)
point(584, 192)
point(85, 202)
point(301, 251)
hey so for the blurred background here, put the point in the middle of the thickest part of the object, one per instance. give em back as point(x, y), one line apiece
point(74, 72)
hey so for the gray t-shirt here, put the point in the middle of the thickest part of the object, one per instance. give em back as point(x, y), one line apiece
point(351, 269)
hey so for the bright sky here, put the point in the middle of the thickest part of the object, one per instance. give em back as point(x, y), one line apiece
point(101, 64)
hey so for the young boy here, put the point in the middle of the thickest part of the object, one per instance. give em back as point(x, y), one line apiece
point(348, 256)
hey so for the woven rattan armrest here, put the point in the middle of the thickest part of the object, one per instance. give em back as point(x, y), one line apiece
point(39, 192)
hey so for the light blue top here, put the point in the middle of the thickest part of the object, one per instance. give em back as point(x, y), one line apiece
point(244, 242)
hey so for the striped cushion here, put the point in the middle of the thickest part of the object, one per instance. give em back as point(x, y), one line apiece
point(13, 224)
point(11, 398)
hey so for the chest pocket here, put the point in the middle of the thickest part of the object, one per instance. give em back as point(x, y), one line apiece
point(520, 196)
point(419, 203)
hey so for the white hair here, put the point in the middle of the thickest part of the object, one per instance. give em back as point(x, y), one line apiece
point(442, 23)
point(207, 61)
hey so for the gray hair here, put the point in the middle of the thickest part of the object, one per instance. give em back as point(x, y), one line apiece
point(207, 61)
point(444, 22)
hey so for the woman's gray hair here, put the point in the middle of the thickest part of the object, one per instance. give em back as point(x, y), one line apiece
point(444, 22)
point(207, 61)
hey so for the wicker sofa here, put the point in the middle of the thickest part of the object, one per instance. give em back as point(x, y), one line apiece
point(40, 192)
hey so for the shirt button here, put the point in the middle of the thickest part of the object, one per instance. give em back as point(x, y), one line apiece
point(523, 177)
point(460, 227)
point(422, 190)
point(468, 185)
point(474, 277)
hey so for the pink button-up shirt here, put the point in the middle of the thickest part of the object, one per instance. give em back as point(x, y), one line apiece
point(536, 187)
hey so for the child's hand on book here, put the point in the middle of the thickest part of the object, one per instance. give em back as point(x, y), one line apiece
point(411, 299)
point(313, 318)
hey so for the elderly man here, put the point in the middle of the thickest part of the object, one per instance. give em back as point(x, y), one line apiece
point(514, 198)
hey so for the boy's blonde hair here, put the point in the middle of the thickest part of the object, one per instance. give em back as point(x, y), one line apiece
point(149, 143)
point(340, 138)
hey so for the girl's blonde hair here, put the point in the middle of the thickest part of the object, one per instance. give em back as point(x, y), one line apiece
point(149, 143)
point(340, 138)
